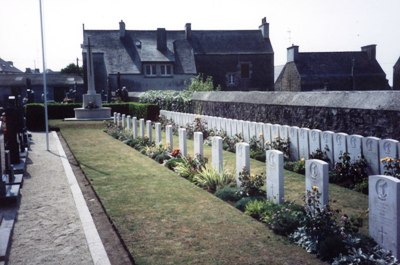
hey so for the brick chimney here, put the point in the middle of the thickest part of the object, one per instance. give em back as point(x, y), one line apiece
point(161, 39)
point(264, 28)
point(370, 50)
point(292, 53)
point(121, 29)
point(188, 31)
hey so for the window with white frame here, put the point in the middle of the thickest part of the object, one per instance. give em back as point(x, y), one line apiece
point(150, 70)
point(166, 69)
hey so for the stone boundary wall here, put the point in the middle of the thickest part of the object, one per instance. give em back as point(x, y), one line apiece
point(368, 113)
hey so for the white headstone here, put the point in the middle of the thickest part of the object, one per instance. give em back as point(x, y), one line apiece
point(246, 131)
point(228, 127)
point(149, 130)
point(128, 122)
point(240, 127)
point(198, 144)
point(158, 133)
point(317, 176)
point(267, 133)
point(134, 128)
point(115, 118)
point(354, 146)
point(304, 149)
point(182, 141)
point(275, 131)
point(234, 125)
point(384, 212)
point(370, 149)
point(387, 148)
point(141, 122)
point(339, 146)
point(327, 145)
point(315, 140)
point(275, 181)
point(284, 132)
point(242, 160)
point(294, 143)
point(253, 130)
point(123, 123)
point(217, 160)
point(218, 123)
point(118, 119)
point(169, 140)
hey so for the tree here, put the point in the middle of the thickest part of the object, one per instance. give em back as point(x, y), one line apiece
point(72, 69)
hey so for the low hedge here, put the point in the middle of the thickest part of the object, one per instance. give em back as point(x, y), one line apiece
point(35, 112)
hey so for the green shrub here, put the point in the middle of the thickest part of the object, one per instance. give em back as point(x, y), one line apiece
point(286, 219)
point(347, 173)
point(280, 145)
point(260, 209)
point(172, 163)
point(321, 155)
point(169, 99)
point(296, 166)
point(210, 179)
point(189, 166)
point(202, 83)
point(241, 204)
point(391, 167)
point(228, 193)
point(135, 109)
point(250, 185)
point(61, 111)
point(157, 152)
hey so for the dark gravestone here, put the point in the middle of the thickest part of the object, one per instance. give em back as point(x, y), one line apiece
point(11, 131)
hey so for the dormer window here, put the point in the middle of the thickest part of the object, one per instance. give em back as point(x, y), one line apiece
point(150, 70)
point(166, 69)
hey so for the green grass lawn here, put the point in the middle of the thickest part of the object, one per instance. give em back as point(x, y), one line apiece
point(165, 219)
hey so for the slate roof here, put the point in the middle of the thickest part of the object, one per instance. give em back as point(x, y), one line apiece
point(7, 67)
point(230, 42)
point(127, 55)
point(53, 79)
point(335, 64)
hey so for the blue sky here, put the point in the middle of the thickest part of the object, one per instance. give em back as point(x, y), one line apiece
point(313, 25)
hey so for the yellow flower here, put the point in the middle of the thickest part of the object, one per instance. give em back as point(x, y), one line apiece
point(302, 159)
point(314, 188)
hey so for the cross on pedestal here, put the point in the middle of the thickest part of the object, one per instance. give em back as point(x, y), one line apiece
point(89, 65)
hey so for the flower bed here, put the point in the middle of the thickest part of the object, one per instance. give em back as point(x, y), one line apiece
point(330, 234)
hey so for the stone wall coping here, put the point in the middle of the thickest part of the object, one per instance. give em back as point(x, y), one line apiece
point(375, 100)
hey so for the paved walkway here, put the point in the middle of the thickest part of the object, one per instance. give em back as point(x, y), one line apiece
point(54, 225)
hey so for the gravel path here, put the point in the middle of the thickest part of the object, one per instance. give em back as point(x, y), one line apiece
point(48, 229)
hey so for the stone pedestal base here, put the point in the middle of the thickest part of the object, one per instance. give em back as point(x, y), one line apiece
point(92, 114)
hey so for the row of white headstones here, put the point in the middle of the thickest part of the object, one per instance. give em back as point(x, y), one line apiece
point(384, 191)
point(303, 141)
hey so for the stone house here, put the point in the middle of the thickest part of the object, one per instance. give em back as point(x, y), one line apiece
point(160, 59)
point(396, 75)
point(354, 70)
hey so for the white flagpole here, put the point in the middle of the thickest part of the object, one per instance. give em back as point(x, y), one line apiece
point(44, 78)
